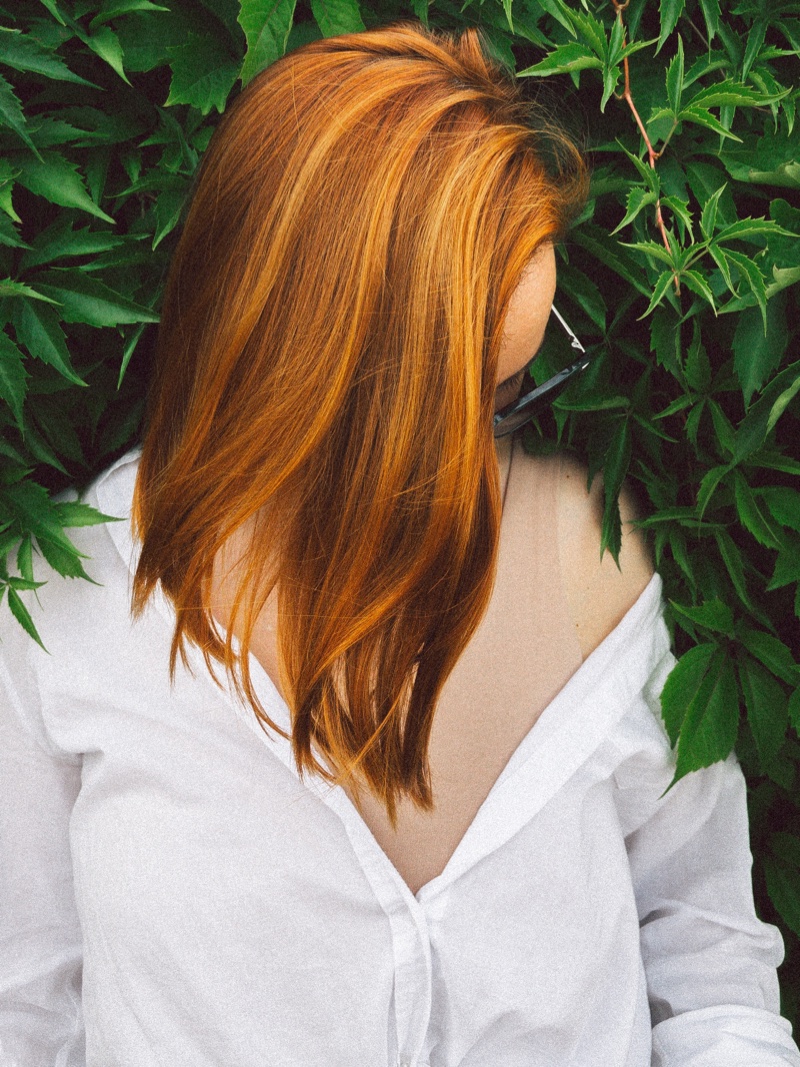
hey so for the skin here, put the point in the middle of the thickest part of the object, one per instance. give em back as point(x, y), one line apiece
point(599, 593)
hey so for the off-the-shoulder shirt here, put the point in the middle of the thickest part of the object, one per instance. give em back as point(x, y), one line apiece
point(172, 894)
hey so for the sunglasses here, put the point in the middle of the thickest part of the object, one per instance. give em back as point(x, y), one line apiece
point(520, 411)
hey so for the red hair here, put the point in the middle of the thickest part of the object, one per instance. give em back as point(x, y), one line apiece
point(325, 367)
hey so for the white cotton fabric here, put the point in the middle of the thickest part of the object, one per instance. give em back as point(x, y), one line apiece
point(171, 893)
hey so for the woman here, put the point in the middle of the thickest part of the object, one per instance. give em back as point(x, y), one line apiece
point(423, 819)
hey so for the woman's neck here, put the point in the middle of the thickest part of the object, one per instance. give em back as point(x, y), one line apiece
point(503, 447)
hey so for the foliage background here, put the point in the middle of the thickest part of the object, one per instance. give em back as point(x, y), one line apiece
point(105, 109)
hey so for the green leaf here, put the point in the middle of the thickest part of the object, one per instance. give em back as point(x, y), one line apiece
point(722, 427)
point(787, 565)
point(733, 563)
point(782, 403)
point(106, 44)
point(203, 73)
point(7, 177)
point(711, 722)
point(616, 42)
point(692, 425)
point(610, 78)
point(652, 248)
point(783, 503)
point(22, 583)
point(30, 506)
point(753, 515)
point(669, 11)
point(697, 367)
point(64, 560)
point(682, 686)
point(756, 353)
point(25, 558)
point(684, 515)
point(663, 283)
point(794, 710)
point(678, 404)
point(752, 430)
point(675, 78)
point(772, 652)
point(665, 341)
point(596, 242)
point(775, 461)
point(708, 485)
point(38, 329)
point(266, 25)
point(565, 58)
point(57, 180)
point(701, 117)
point(592, 30)
point(585, 293)
point(708, 220)
point(697, 283)
point(76, 513)
point(719, 258)
point(11, 115)
point(10, 288)
point(13, 377)
point(710, 10)
point(605, 403)
point(784, 891)
point(560, 12)
point(755, 40)
point(767, 710)
point(167, 213)
point(754, 279)
point(647, 173)
point(343, 16)
point(637, 199)
point(745, 229)
point(713, 614)
point(22, 615)
point(727, 93)
point(127, 352)
point(23, 52)
point(783, 278)
point(52, 7)
point(615, 467)
point(680, 209)
point(112, 9)
point(86, 300)
point(59, 240)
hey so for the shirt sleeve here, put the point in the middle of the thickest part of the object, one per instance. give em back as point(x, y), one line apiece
point(41, 1019)
point(711, 964)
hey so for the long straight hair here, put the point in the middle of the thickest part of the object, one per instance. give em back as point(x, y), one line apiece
point(325, 377)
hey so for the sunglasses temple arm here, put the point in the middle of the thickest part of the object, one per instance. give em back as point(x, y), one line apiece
point(575, 342)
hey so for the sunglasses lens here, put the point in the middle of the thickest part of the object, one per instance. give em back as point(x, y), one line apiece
point(545, 395)
point(516, 419)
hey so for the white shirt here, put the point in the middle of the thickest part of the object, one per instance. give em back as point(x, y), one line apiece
point(172, 895)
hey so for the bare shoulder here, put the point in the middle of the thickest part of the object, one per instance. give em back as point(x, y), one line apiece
point(599, 593)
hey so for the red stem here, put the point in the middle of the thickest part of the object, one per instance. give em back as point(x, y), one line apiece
point(652, 154)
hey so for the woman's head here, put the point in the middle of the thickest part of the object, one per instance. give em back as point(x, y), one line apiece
point(326, 367)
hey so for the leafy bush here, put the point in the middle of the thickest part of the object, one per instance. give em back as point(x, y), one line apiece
point(681, 277)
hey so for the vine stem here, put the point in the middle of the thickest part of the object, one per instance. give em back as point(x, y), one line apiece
point(652, 155)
